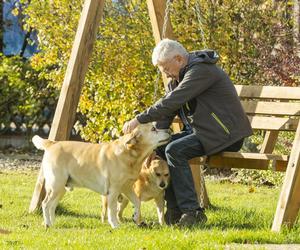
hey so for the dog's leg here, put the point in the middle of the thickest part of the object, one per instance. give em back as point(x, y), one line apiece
point(131, 195)
point(160, 204)
point(104, 208)
point(112, 199)
point(45, 207)
point(54, 192)
point(122, 204)
point(56, 197)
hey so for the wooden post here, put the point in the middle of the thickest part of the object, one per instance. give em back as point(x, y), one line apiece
point(156, 9)
point(289, 200)
point(269, 144)
point(69, 96)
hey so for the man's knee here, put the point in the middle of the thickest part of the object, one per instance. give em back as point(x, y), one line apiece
point(172, 151)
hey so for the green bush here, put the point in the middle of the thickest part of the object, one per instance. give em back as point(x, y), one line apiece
point(25, 98)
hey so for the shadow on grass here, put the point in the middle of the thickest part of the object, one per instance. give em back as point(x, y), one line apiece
point(61, 210)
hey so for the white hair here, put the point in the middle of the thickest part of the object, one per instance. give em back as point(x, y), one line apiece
point(167, 49)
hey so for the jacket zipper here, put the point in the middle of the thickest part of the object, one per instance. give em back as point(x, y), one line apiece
point(187, 106)
point(220, 122)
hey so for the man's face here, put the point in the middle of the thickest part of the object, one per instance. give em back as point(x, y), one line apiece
point(172, 67)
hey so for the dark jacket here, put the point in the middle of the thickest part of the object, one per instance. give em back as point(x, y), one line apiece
point(209, 100)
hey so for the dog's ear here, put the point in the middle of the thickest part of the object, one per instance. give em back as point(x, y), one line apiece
point(132, 139)
point(147, 162)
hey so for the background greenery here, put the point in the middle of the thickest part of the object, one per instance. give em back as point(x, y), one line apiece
point(253, 38)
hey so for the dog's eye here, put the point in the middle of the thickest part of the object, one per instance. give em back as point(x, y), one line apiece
point(158, 174)
point(166, 175)
point(153, 129)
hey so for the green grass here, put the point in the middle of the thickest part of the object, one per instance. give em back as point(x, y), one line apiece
point(237, 217)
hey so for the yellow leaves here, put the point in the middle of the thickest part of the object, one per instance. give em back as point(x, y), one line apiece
point(251, 189)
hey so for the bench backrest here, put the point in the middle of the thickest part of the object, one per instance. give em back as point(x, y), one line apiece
point(271, 107)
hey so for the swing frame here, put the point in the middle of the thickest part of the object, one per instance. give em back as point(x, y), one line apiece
point(289, 202)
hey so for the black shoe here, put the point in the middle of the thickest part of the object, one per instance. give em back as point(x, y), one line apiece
point(172, 216)
point(192, 218)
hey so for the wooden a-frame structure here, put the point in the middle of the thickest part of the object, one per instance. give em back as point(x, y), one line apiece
point(289, 201)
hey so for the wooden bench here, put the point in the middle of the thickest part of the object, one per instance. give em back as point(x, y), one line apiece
point(270, 109)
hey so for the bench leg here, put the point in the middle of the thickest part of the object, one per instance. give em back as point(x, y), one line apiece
point(289, 200)
point(196, 171)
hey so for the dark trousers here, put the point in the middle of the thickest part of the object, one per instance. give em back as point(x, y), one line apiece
point(184, 146)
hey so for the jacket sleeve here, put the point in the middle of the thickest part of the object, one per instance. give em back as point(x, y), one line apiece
point(164, 122)
point(196, 80)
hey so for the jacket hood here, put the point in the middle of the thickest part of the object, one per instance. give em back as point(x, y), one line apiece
point(204, 56)
point(199, 56)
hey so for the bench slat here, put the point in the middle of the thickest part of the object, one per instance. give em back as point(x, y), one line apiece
point(273, 123)
point(272, 108)
point(268, 92)
point(248, 161)
point(258, 156)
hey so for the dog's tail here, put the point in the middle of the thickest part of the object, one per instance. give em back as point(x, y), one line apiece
point(41, 143)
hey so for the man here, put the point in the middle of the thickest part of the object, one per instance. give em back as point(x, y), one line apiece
point(205, 99)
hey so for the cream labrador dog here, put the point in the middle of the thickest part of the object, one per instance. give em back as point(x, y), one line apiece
point(108, 168)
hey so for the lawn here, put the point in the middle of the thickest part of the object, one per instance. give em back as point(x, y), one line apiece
point(239, 215)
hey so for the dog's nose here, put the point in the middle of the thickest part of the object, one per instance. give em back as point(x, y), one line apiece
point(162, 184)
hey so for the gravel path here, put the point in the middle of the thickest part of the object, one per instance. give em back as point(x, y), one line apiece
point(28, 161)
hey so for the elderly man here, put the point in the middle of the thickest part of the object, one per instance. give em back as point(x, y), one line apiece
point(205, 99)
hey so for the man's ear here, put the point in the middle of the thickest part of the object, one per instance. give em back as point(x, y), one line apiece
point(132, 139)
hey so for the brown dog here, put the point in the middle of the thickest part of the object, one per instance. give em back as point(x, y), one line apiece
point(108, 168)
point(151, 183)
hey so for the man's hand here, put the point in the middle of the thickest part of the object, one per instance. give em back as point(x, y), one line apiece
point(129, 126)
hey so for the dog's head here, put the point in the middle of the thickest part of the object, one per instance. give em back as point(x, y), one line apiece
point(159, 170)
point(147, 137)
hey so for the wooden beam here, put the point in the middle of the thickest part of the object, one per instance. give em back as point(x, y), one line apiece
point(273, 123)
point(289, 200)
point(268, 92)
point(253, 156)
point(269, 142)
point(268, 146)
point(69, 96)
point(271, 108)
point(156, 9)
point(195, 165)
point(218, 161)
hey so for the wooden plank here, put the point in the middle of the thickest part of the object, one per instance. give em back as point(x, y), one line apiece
point(268, 123)
point(273, 123)
point(196, 171)
point(69, 96)
point(279, 166)
point(217, 161)
point(257, 156)
point(156, 10)
point(268, 92)
point(269, 144)
point(289, 200)
point(272, 108)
